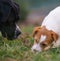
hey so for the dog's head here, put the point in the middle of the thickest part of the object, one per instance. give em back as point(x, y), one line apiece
point(9, 16)
point(43, 38)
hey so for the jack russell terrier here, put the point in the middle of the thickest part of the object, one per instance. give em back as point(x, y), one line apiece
point(48, 35)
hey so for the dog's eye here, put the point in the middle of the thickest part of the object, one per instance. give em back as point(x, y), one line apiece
point(43, 45)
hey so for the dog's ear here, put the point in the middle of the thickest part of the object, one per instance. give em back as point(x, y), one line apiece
point(36, 30)
point(9, 11)
point(54, 35)
point(34, 33)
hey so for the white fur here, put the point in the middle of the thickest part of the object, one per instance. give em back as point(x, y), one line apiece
point(43, 37)
point(36, 47)
point(52, 22)
point(17, 28)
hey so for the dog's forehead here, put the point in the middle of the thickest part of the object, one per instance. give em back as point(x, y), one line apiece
point(43, 38)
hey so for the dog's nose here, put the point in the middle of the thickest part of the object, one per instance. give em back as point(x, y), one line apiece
point(34, 50)
point(18, 32)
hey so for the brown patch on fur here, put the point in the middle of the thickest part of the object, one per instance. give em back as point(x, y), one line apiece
point(54, 36)
point(36, 29)
point(36, 34)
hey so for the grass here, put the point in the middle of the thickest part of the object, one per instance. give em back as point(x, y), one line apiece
point(20, 49)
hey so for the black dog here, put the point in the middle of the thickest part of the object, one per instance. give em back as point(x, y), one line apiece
point(9, 15)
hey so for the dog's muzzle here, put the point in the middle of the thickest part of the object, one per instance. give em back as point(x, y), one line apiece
point(17, 32)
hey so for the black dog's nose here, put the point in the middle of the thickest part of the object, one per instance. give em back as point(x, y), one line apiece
point(18, 32)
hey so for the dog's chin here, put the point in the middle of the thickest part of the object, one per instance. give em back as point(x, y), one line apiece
point(14, 37)
point(10, 38)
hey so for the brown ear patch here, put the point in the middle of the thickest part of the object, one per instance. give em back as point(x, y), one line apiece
point(35, 33)
point(54, 35)
point(36, 30)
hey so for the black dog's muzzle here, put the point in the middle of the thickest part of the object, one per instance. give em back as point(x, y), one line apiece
point(17, 32)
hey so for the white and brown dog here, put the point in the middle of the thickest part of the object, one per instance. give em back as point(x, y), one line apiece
point(48, 35)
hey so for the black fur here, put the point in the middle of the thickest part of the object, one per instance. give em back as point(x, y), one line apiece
point(9, 15)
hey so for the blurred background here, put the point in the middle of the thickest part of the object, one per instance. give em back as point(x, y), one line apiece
point(34, 11)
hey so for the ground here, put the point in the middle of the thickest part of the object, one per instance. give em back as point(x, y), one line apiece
point(20, 49)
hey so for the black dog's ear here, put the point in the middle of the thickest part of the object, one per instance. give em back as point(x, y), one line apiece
point(8, 10)
point(16, 9)
point(4, 10)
